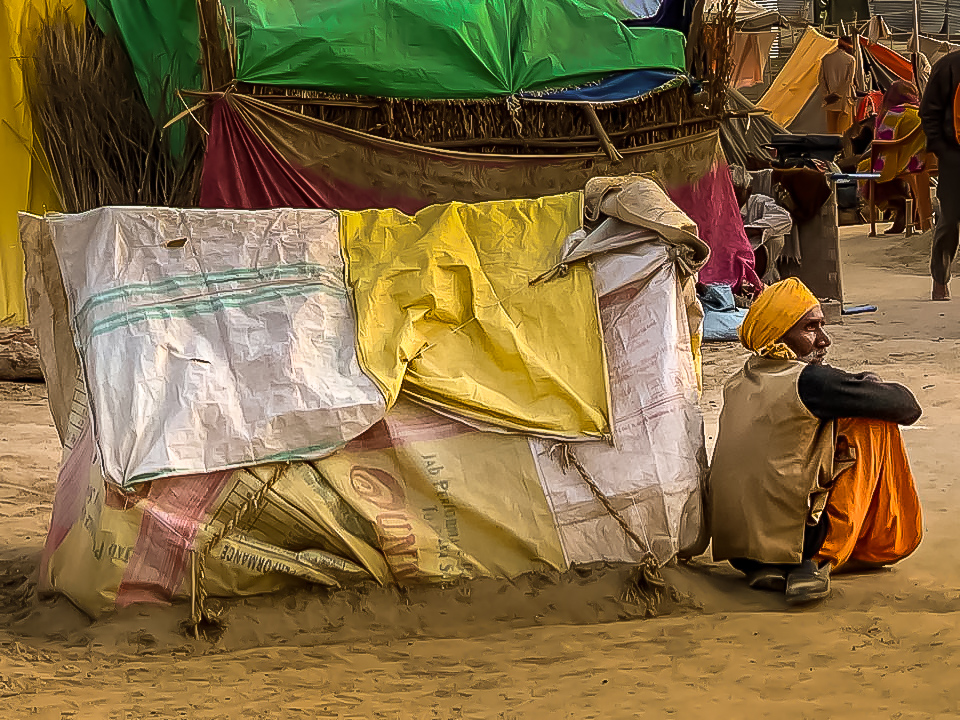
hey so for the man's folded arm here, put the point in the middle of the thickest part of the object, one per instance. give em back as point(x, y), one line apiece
point(830, 394)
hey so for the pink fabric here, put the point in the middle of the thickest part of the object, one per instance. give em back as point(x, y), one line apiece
point(68, 500)
point(241, 170)
point(712, 204)
point(173, 511)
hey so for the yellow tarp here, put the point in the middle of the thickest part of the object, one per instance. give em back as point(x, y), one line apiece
point(798, 79)
point(446, 310)
point(418, 484)
point(23, 185)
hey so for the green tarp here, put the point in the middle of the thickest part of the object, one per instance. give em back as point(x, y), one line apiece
point(394, 48)
point(443, 48)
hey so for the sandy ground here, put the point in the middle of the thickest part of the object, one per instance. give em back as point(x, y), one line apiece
point(885, 645)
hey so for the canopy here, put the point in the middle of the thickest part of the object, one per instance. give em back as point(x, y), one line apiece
point(396, 48)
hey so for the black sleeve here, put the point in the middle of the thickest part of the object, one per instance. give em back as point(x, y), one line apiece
point(829, 394)
point(937, 105)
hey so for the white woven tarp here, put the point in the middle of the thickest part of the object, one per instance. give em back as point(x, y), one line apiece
point(651, 474)
point(212, 339)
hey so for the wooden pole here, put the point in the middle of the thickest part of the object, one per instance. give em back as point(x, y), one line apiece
point(915, 58)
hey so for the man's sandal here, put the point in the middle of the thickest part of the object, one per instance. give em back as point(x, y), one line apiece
point(808, 583)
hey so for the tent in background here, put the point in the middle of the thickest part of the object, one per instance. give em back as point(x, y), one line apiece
point(797, 82)
point(743, 137)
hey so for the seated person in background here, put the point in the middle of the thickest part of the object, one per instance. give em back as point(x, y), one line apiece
point(897, 118)
point(809, 472)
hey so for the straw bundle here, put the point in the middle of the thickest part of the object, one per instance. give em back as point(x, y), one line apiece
point(100, 143)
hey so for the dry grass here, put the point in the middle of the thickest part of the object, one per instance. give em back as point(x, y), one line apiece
point(100, 142)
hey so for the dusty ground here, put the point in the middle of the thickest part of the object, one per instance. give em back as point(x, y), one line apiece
point(886, 645)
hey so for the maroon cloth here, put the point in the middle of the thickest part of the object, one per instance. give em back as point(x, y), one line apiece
point(712, 204)
point(242, 171)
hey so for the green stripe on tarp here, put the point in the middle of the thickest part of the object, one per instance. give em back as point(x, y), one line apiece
point(134, 292)
point(312, 452)
point(184, 308)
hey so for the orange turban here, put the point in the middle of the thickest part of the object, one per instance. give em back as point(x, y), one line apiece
point(778, 309)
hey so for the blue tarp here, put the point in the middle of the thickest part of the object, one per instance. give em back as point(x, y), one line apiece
point(721, 316)
point(620, 87)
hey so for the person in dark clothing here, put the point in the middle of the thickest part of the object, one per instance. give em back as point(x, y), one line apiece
point(937, 117)
point(809, 472)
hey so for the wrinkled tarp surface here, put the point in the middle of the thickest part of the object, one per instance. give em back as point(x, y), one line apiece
point(442, 48)
point(212, 340)
point(23, 184)
point(446, 308)
point(420, 497)
point(395, 48)
point(260, 155)
point(798, 79)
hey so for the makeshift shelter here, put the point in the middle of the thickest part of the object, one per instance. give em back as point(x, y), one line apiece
point(443, 102)
point(750, 16)
point(795, 87)
point(434, 216)
point(744, 137)
point(401, 500)
point(794, 99)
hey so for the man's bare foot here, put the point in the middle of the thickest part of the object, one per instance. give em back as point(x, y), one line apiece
point(940, 292)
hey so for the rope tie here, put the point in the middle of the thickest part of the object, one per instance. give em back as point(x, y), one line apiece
point(202, 618)
point(646, 587)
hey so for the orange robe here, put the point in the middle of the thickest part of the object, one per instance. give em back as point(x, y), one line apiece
point(873, 508)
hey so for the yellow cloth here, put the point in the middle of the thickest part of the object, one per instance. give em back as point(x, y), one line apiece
point(798, 79)
point(446, 309)
point(23, 185)
point(778, 309)
point(897, 124)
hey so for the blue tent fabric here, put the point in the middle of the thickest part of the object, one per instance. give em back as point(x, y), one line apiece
point(620, 87)
point(721, 316)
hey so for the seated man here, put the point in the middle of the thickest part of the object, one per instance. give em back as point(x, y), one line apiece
point(809, 472)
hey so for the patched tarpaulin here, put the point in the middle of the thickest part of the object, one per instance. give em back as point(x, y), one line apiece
point(421, 497)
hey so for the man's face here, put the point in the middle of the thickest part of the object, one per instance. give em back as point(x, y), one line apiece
point(808, 340)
